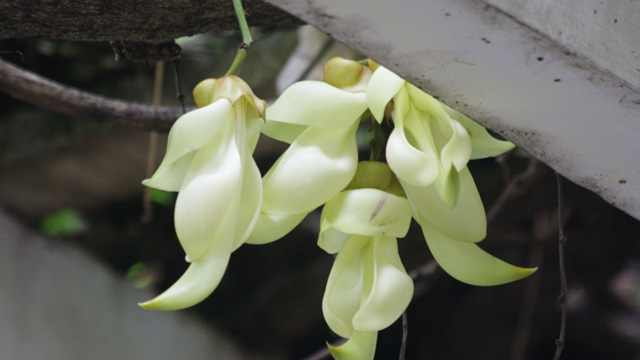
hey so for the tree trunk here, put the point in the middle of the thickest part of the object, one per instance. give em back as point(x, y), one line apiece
point(132, 20)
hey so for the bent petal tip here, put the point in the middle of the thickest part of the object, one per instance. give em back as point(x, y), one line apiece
point(468, 263)
point(361, 346)
point(195, 285)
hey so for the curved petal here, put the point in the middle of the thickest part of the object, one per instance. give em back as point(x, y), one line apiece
point(254, 124)
point(369, 212)
point(448, 186)
point(382, 87)
point(468, 263)
point(330, 239)
point(318, 104)
point(408, 153)
point(483, 144)
point(361, 346)
point(270, 228)
point(318, 165)
point(250, 201)
point(426, 103)
point(390, 288)
point(457, 151)
point(466, 221)
point(450, 136)
point(281, 131)
point(189, 133)
point(169, 176)
point(210, 192)
point(198, 282)
point(343, 293)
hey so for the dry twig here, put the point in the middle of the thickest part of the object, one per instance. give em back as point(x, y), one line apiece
point(50, 95)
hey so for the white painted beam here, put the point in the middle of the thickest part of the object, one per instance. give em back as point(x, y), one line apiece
point(554, 94)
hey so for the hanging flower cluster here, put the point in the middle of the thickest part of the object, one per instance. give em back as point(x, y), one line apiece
point(223, 202)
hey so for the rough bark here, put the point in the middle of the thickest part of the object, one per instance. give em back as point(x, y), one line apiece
point(132, 20)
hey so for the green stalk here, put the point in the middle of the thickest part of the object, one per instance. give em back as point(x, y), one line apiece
point(242, 21)
point(246, 38)
point(240, 55)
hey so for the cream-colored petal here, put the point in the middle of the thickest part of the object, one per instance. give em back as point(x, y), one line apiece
point(466, 262)
point(281, 131)
point(361, 346)
point(198, 282)
point(382, 87)
point(369, 212)
point(318, 104)
point(254, 124)
point(189, 133)
point(318, 165)
point(170, 175)
point(483, 144)
point(426, 103)
point(210, 191)
point(388, 288)
point(411, 162)
point(270, 228)
point(450, 137)
point(330, 238)
point(457, 151)
point(466, 221)
point(342, 296)
point(250, 201)
point(447, 185)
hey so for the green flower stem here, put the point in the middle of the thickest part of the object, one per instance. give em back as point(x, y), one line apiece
point(376, 143)
point(246, 38)
point(242, 21)
point(240, 55)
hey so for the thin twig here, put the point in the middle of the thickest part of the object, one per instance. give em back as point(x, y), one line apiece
point(16, 53)
point(517, 187)
point(544, 226)
point(405, 334)
point(562, 240)
point(50, 95)
point(324, 353)
point(423, 277)
point(147, 204)
point(176, 77)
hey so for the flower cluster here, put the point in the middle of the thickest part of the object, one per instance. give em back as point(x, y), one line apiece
point(223, 202)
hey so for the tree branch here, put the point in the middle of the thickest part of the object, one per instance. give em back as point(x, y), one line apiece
point(141, 20)
point(50, 95)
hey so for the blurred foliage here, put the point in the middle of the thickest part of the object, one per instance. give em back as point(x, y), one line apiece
point(65, 222)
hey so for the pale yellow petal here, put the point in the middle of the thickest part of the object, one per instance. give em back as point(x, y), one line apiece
point(467, 262)
point(466, 221)
point(270, 228)
point(382, 87)
point(316, 167)
point(388, 288)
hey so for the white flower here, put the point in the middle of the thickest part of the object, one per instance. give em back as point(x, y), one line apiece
point(319, 120)
point(209, 162)
point(428, 150)
point(368, 288)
